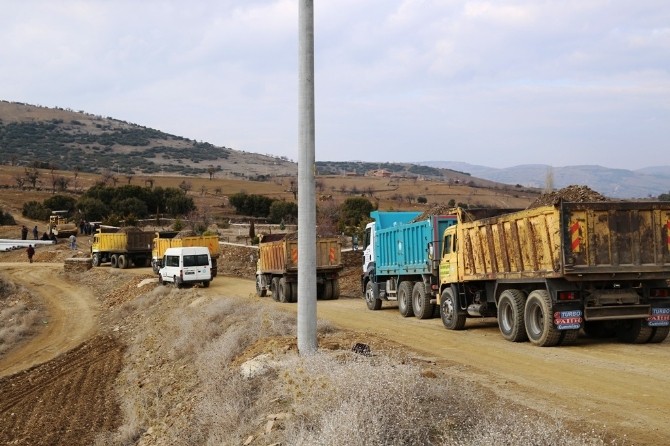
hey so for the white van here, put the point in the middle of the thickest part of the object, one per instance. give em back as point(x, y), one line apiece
point(186, 265)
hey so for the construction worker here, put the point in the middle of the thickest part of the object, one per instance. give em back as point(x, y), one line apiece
point(31, 252)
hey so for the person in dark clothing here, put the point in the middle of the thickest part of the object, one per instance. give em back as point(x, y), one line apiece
point(31, 252)
point(45, 236)
point(35, 233)
point(24, 232)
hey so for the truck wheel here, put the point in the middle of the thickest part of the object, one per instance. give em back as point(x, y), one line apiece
point(177, 281)
point(122, 261)
point(405, 299)
point(453, 317)
point(539, 317)
point(510, 316)
point(284, 291)
point(205, 283)
point(327, 289)
point(95, 260)
point(293, 288)
point(569, 337)
point(373, 303)
point(634, 331)
point(114, 261)
point(659, 335)
point(421, 305)
point(336, 289)
point(260, 291)
point(274, 289)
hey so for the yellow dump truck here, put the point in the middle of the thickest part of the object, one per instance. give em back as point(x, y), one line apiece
point(173, 239)
point(548, 272)
point(121, 247)
point(60, 226)
point(277, 267)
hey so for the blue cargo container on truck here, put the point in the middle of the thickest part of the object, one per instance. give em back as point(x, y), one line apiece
point(401, 261)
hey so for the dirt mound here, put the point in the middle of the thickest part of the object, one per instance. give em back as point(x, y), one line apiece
point(572, 193)
point(438, 209)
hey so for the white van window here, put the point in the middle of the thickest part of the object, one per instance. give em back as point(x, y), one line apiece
point(172, 261)
point(196, 260)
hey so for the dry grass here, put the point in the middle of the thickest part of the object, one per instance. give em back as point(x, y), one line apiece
point(182, 385)
point(20, 314)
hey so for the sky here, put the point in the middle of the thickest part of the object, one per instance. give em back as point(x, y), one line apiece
point(495, 83)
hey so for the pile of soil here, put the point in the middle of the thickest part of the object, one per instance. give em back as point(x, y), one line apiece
point(438, 209)
point(572, 193)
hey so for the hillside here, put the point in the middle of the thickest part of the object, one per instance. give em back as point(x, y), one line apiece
point(75, 140)
point(71, 140)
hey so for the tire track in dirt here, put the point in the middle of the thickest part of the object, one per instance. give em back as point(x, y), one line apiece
point(67, 401)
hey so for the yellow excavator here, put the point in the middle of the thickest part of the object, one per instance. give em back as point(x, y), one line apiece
point(60, 226)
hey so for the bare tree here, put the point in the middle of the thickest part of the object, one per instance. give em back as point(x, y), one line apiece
point(32, 175)
point(62, 183)
point(20, 181)
point(185, 186)
point(129, 177)
point(149, 182)
point(76, 176)
point(410, 197)
point(549, 180)
point(369, 191)
point(327, 217)
point(320, 185)
point(107, 176)
point(203, 190)
point(293, 188)
point(211, 170)
point(218, 191)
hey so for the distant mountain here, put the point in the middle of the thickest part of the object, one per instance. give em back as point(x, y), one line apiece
point(614, 183)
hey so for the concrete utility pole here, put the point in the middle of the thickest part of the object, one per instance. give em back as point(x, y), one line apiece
point(307, 343)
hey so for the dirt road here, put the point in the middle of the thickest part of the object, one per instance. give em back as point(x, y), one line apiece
point(72, 313)
point(620, 388)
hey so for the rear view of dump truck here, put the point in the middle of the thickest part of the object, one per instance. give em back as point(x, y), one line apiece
point(164, 240)
point(122, 247)
point(548, 272)
point(277, 268)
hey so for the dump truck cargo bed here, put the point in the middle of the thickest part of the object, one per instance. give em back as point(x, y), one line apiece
point(571, 241)
point(281, 256)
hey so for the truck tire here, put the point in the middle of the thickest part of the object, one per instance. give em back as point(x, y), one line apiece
point(373, 303)
point(405, 299)
point(95, 259)
point(327, 290)
point(635, 331)
point(659, 335)
point(205, 283)
point(274, 289)
point(122, 261)
point(510, 316)
point(260, 291)
point(177, 282)
point(539, 316)
point(453, 317)
point(421, 305)
point(284, 291)
point(336, 289)
point(113, 261)
point(293, 288)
